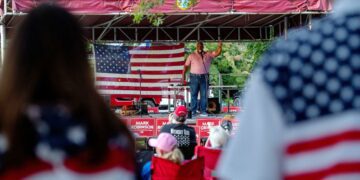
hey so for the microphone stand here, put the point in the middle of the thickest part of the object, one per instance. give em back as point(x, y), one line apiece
point(140, 98)
point(206, 81)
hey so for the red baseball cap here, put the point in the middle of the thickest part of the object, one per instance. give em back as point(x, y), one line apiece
point(180, 111)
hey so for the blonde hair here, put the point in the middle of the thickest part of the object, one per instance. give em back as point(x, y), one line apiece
point(175, 156)
point(171, 118)
point(218, 137)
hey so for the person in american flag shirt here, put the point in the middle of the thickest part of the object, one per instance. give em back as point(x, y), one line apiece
point(53, 123)
point(302, 108)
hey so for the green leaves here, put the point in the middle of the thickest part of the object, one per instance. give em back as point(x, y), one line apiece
point(143, 10)
point(156, 19)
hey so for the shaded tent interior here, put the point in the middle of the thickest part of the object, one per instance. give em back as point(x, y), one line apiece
point(210, 20)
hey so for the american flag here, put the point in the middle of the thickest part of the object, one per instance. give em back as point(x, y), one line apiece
point(327, 148)
point(121, 69)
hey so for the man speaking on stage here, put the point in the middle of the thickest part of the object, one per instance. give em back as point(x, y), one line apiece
point(199, 62)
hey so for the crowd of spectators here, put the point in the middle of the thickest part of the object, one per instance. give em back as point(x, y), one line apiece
point(302, 106)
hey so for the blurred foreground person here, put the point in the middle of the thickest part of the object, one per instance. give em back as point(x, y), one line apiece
point(302, 118)
point(53, 123)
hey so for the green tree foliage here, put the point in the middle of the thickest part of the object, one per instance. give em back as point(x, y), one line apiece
point(252, 54)
point(143, 9)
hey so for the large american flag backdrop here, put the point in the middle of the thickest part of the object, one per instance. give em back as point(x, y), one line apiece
point(120, 70)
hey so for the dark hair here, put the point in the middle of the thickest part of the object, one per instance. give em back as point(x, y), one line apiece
point(227, 125)
point(180, 118)
point(47, 63)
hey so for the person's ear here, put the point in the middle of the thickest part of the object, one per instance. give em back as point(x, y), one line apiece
point(161, 151)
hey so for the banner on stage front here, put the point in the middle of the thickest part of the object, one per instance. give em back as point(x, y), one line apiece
point(143, 127)
point(205, 124)
point(160, 122)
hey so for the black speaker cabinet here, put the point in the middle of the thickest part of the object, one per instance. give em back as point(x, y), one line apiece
point(213, 106)
point(144, 109)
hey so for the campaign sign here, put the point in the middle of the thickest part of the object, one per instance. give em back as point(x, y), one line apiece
point(144, 127)
point(160, 122)
point(231, 109)
point(205, 124)
point(197, 129)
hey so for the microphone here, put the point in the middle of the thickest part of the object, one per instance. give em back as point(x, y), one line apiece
point(138, 70)
point(202, 54)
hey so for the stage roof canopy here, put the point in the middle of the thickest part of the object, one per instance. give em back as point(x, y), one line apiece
point(229, 20)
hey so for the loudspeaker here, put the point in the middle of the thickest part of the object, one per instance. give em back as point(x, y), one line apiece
point(144, 109)
point(213, 106)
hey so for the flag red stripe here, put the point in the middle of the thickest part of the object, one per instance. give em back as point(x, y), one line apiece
point(147, 96)
point(28, 168)
point(175, 55)
point(132, 88)
point(163, 64)
point(158, 72)
point(340, 168)
point(137, 80)
point(116, 158)
point(304, 146)
point(157, 47)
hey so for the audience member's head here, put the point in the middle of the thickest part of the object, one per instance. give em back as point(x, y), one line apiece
point(46, 65)
point(180, 114)
point(218, 137)
point(227, 126)
point(166, 147)
point(171, 118)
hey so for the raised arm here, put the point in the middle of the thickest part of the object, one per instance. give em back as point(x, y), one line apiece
point(218, 50)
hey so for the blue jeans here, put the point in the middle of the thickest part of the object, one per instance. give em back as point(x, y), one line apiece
point(199, 82)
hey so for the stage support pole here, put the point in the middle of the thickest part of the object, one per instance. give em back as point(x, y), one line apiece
point(286, 27)
point(3, 34)
point(220, 89)
point(3, 43)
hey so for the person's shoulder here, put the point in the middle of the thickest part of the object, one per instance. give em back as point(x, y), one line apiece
point(169, 125)
point(192, 54)
point(189, 127)
point(166, 128)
